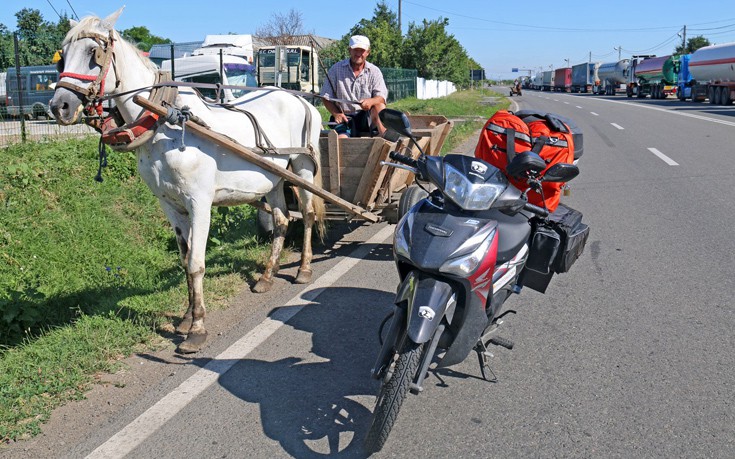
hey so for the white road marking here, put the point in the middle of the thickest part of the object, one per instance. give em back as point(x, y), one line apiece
point(618, 126)
point(673, 112)
point(663, 157)
point(566, 103)
point(578, 106)
point(132, 435)
point(594, 113)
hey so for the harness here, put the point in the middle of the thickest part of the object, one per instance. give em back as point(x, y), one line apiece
point(103, 56)
point(128, 137)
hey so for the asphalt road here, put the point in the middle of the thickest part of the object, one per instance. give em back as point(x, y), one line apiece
point(628, 355)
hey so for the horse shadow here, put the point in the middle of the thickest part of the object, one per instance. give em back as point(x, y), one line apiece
point(315, 405)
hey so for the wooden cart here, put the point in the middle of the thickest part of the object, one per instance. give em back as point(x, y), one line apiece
point(354, 183)
point(351, 167)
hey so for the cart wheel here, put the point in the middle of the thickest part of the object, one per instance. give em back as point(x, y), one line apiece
point(409, 198)
point(264, 225)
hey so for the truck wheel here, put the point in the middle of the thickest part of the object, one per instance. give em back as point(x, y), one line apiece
point(725, 95)
point(711, 94)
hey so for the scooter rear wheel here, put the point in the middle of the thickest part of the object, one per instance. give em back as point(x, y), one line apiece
point(392, 394)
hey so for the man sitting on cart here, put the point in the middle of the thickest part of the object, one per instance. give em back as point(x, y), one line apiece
point(357, 80)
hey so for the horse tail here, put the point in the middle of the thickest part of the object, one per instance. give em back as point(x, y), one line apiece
point(320, 208)
point(313, 128)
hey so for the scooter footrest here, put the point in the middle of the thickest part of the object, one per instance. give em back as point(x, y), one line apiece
point(498, 341)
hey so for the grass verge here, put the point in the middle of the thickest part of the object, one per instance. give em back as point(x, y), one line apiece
point(89, 272)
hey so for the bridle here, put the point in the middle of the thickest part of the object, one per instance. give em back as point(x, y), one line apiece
point(103, 57)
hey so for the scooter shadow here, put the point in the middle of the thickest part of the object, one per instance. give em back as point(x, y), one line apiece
point(309, 407)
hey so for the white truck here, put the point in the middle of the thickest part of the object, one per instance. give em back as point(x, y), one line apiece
point(289, 66)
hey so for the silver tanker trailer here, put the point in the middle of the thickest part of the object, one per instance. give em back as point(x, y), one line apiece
point(612, 75)
point(712, 70)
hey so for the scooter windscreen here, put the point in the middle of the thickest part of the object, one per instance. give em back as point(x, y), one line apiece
point(471, 183)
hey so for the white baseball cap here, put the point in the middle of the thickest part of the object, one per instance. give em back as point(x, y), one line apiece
point(359, 41)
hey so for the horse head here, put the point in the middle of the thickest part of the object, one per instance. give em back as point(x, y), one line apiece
point(88, 55)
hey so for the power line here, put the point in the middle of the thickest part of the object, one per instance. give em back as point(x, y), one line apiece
point(562, 29)
point(52, 7)
point(72, 9)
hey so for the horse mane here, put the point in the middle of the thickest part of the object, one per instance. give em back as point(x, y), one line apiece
point(94, 24)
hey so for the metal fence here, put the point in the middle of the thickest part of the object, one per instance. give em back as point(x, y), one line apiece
point(25, 93)
point(401, 83)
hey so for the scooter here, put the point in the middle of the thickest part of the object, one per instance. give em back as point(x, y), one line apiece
point(460, 253)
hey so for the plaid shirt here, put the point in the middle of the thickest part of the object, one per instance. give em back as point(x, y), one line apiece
point(368, 83)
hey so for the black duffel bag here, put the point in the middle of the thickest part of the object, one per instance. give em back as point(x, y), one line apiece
point(573, 234)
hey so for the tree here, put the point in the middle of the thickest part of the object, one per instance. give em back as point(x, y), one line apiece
point(693, 44)
point(142, 37)
point(281, 28)
point(7, 57)
point(385, 39)
point(435, 54)
point(38, 39)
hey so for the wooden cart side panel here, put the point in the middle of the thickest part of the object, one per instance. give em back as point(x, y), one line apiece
point(334, 162)
point(442, 137)
point(349, 157)
point(373, 173)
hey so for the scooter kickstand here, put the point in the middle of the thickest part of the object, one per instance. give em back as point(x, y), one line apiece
point(483, 355)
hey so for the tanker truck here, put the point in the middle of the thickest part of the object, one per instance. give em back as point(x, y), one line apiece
point(654, 76)
point(584, 76)
point(612, 75)
point(712, 74)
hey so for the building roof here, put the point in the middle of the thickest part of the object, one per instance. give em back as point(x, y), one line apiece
point(163, 51)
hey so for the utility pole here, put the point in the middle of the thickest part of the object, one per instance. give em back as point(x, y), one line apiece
point(684, 39)
point(619, 49)
point(399, 17)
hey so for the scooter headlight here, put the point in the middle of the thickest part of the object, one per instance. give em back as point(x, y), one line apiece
point(467, 258)
point(468, 195)
point(402, 238)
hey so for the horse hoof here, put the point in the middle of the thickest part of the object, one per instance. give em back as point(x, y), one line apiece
point(184, 325)
point(193, 343)
point(304, 276)
point(263, 285)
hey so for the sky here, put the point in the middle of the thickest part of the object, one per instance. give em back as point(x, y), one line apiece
point(529, 35)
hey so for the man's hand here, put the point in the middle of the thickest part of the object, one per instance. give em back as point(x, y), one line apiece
point(367, 104)
point(340, 118)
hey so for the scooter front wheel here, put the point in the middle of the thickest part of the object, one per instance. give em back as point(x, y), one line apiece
point(392, 394)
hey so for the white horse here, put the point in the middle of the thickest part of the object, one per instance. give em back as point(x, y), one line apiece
point(189, 182)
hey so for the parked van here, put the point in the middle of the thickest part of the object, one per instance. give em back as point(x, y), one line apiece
point(36, 90)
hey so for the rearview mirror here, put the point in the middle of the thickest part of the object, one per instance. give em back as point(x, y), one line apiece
point(396, 120)
point(561, 172)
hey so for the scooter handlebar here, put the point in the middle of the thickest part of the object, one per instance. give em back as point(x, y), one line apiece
point(407, 160)
point(540, 211)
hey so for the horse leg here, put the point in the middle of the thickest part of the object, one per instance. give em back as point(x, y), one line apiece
point(192, 229)
point(307, 211)
point(182, 227)
point(302, 165)
point(277, 201)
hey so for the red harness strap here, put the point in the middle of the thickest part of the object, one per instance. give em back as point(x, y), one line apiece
point(126, 134)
